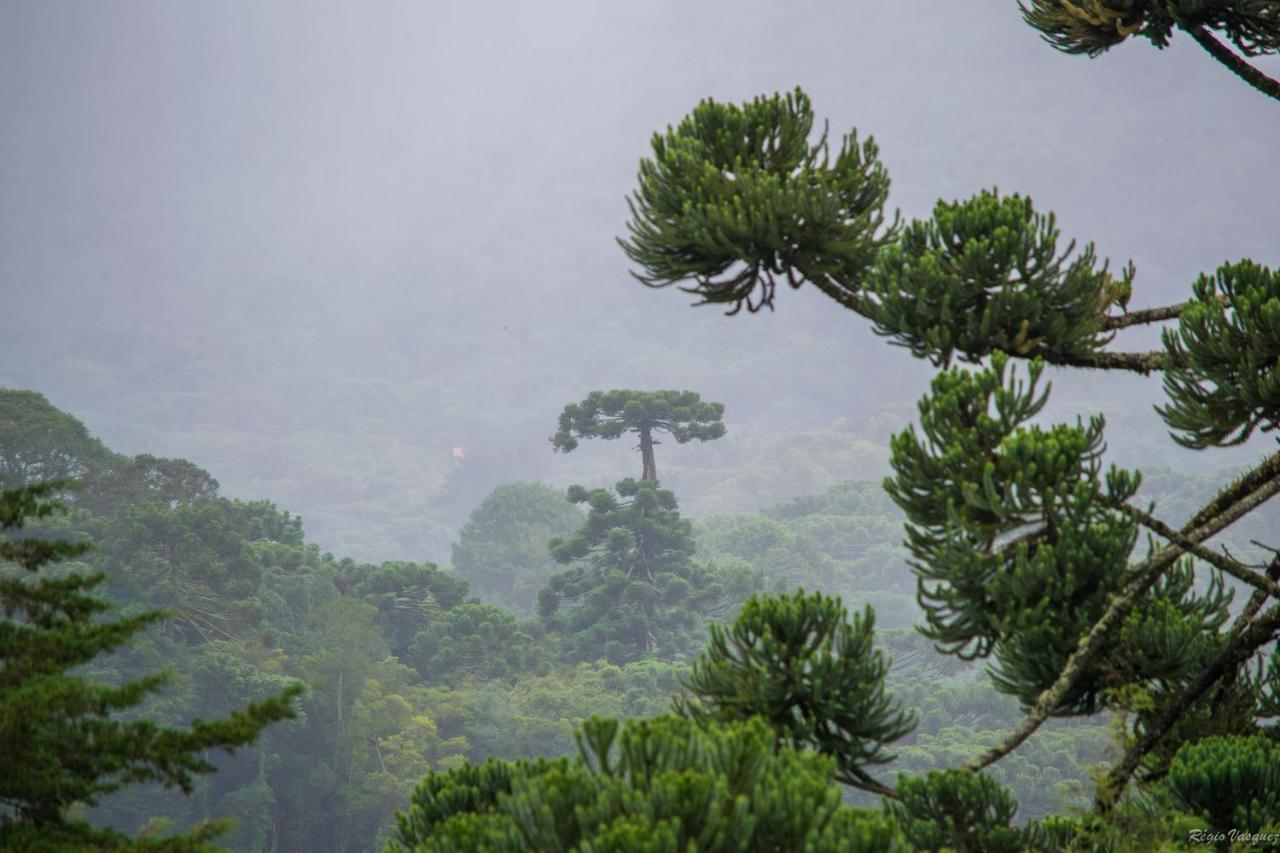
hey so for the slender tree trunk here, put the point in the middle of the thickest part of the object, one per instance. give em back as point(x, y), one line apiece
point(650, 473)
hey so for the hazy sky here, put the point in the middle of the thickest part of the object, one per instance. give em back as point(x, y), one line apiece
point(214, 214)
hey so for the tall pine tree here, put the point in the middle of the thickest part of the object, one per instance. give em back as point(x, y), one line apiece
point(64, 740)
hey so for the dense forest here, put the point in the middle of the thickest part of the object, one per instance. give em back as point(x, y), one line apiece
point(411, 667)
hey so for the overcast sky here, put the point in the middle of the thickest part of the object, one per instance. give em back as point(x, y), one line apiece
point(192, 191)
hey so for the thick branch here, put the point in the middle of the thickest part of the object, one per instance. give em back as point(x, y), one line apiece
point(859, 778)
point(1258, 598)
point(1246, 72)
point(1220, 561)
point(853, 301)
point(1146, 315)
point(1151, 315)
point(1144, 575)
point(1139, 362)
point(1239, 649)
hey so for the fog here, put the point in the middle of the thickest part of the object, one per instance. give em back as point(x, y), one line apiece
point(314, 247)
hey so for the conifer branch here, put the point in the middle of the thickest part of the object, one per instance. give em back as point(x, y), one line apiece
point(1232, 567)
point(1236, 64)
point(1139, 362)
point(1219, 517)
point(1238, 649)
point(1144, 316)
point(840, 293)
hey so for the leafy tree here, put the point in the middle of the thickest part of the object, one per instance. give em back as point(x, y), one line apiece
point(609, 414)
point(802, 666)
point(1024, 542)
point(40, 442)
point(477, 641)
point(407, 596)
point(62, 742)
point(502, 549)
point(1233, 783)
point(190, 561)
point(786, 559)
point(634, 586)
point(661, 784)
point(145, 478)
point(956, 810)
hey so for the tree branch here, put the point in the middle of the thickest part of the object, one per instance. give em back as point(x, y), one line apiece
point(1246, 72)
point(853, 301)
point(1146, 315)
point(1144, 575)
point(1220, 561)
point(1139, 362)
point(1238, 649)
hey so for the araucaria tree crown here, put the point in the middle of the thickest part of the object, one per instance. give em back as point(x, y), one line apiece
point(683, 415)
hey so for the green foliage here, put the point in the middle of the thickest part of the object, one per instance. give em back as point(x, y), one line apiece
point(744, 185)
point(62, 742)
point(986, 274)
point(1094, 26)
point(637, 589)
point(145, 479)
point(1230, 782)
point(502, 549)
point(663, 784)
point(475, 641)
point(189, 561)
point(40, 442)
point(1012, 527)
point(956, 810)
point(786, 559)
point(407, 595)
point(609, 414)
point(800, 664)
point(1222, 380)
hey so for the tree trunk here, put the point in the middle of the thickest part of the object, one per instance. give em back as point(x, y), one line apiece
point(650, 473)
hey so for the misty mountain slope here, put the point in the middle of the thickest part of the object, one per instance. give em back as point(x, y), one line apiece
point(318, 253)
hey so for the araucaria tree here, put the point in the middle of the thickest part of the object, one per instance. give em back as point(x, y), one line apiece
point(684, 415)
point(1027, 546)
point(63, 742)
point(632, 588)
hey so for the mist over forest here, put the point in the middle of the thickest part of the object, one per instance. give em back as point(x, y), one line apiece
point(313, 248)
point(353, 261)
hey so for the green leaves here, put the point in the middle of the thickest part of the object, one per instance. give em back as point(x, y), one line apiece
point(1231, 782)
point(736, 196)
point(1223, 378)
point(1012, 529)
point(61, 740)
point(957, 810)
point(802, 666)
point(634, 588)
point(986, 274)
point(664, 784)
point(609, 414)
point(502, 549)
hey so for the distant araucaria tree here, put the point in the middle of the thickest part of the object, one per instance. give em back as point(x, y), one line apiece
point(608, 414)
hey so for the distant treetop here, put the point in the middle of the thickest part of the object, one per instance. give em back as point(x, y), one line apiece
point(608, 414)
